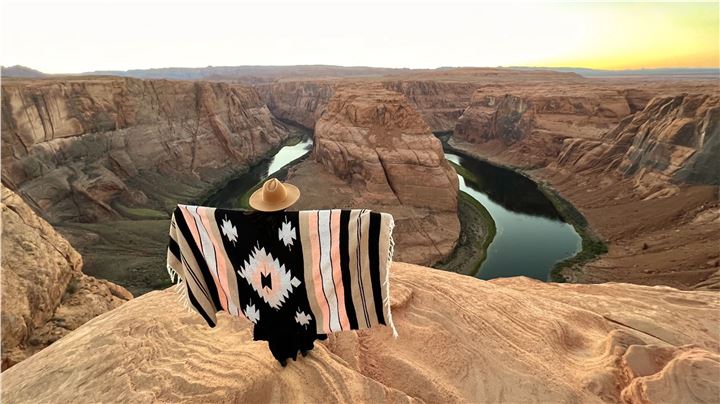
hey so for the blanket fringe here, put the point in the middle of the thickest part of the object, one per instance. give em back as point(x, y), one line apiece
point(180, 289)
point(386, 283)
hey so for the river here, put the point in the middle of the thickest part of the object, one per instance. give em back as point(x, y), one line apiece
point(530, 237)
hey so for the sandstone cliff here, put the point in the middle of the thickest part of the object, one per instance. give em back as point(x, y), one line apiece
point(301, 102)
point(642, 172)
point(439, 103)
point(528, 126)
point(387, 159)
point(672, 139)
point(91, 149)
point(460, 340)
point(44, 292)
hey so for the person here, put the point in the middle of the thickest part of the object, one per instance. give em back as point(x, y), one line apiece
point(280, 329)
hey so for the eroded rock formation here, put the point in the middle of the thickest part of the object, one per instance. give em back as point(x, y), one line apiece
point(528, 126)
point(44, 292)
point(439, 103)
point(644, 173)
point(301, 102)
point(460, 340)
point(91, 149)
point(673, 139)
point(387, 159)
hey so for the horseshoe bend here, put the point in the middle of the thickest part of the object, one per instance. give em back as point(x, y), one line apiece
point(622, 172)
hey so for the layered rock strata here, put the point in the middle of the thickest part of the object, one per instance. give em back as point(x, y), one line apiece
point(45, 295)
point(94, 149)
point(386, 158)
point(648, 184)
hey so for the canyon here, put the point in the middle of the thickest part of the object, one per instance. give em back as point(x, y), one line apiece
point(93, 149)
point(388, 160)
point(91, 166)
point(644, 153)
point(106, 159)
point(645, 145)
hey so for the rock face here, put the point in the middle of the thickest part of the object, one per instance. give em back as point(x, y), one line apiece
point(301, 102)
point(655, 163)
point(460, 340)
point(381, 148)
point(93, 149)
point(528, 126)
point(672, 139)
point(44, 292)
point(440, 103)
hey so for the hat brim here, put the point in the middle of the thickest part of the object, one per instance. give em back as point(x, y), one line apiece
point(257, 202)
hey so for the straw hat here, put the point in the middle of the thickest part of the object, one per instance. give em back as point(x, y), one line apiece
point(274, 195)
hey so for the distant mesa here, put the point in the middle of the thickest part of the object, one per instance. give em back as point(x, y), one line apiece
point(21, 71)
point(267, 74)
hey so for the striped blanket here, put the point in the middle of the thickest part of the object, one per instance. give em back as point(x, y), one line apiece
point(318, 270)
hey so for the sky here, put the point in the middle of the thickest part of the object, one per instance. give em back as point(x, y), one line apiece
point(72, 37)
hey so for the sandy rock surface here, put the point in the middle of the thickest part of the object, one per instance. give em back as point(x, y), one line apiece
point(461, 339)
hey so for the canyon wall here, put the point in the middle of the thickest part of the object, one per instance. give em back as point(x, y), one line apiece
point(386, 158)
point(45, 295)
point(92, 149)
point(530, 125)
point(301, 102)
point(439, 103)
point(640, 164)
point(673, 139)
point(460, 340)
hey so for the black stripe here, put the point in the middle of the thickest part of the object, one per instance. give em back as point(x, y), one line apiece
point(212, 289)
point(345, 268)
point(174, 248)
point(358, 254)
point(198, 307)
point(374, 255)
point(195, 279)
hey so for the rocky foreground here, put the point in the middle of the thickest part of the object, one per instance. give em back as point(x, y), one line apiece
point(461, 339)
point(44, 291)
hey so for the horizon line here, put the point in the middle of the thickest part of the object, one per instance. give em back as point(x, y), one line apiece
point(379, 67)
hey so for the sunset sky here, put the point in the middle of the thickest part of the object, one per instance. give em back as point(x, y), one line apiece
point(70, 37)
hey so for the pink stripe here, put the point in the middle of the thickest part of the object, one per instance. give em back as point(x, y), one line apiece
point(316, 278)
point(207, 221)
point(190, 220)
point(337, 273)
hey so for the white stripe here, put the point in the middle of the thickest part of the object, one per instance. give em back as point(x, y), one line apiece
point(326, 269)
point(207, 245)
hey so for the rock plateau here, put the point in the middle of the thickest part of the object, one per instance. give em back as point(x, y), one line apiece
point(460, 340)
